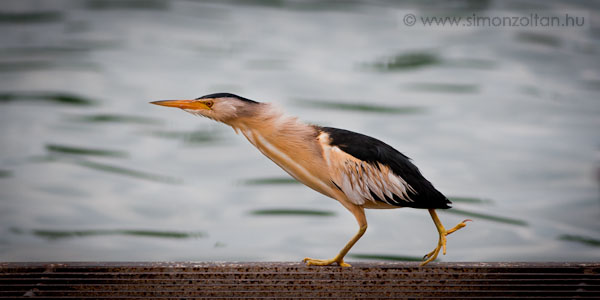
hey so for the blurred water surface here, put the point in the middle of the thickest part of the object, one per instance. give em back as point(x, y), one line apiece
point(504, 121)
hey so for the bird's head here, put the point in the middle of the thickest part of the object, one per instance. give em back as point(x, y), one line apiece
point(222, 107)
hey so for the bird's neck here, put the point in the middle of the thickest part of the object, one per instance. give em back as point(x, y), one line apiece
point(273, 125)
point(289, 143)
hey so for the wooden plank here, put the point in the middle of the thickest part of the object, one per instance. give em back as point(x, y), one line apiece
point(170, 280)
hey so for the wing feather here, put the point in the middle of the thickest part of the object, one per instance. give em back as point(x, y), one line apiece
point(366, 169)
point(362, 181)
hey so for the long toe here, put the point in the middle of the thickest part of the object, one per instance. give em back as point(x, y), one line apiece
point(431, 256)
point(324, 262)
point(458, 226)
point(428, 255)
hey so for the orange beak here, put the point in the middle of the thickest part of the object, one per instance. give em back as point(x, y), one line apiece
point(183, 104)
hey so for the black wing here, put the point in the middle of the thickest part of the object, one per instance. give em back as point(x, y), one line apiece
point(374, 152)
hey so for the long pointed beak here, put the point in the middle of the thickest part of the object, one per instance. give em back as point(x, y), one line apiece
point(183, 104)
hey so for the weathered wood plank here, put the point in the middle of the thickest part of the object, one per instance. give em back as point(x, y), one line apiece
point(295, 281)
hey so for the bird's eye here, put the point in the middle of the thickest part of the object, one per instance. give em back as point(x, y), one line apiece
point(209, 103)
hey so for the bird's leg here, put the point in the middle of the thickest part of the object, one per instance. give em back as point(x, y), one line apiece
point(359, 213)
point(442, 238)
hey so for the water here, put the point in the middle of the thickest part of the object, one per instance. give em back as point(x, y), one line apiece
point(502, 120)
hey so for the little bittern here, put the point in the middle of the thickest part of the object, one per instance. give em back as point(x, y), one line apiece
point(357, 170)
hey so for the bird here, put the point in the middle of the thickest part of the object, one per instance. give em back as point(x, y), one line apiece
point(359, 171)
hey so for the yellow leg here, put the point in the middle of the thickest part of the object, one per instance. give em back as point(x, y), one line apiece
point(442, 239)
point(359, 213)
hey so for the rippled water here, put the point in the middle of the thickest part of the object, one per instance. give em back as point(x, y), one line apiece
point(504, 121)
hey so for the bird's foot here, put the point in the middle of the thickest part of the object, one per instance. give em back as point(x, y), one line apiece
point(431, 256)
point(325, 262)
